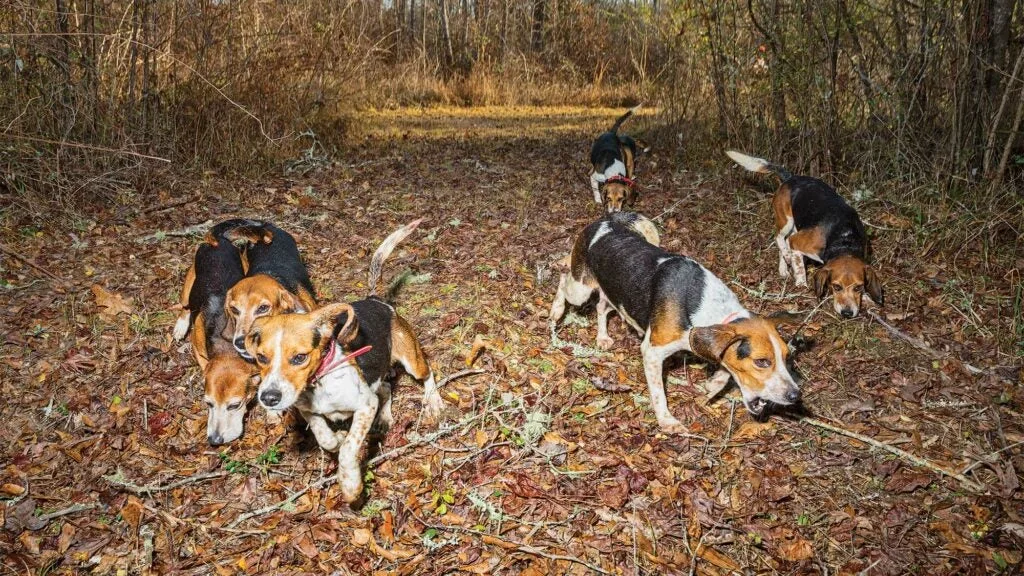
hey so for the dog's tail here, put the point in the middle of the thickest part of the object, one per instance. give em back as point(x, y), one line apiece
point(237, 229)
point(759, 165)
point(384, 250)
point(624, 117)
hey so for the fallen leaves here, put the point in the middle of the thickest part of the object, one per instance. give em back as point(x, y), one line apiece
point(111, 304)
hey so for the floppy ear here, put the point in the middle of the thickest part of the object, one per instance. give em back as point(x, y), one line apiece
point(327, 320)
point(252, 339)
point(711, 342)
point(288, 302)
point(822, 277)
point(873, 285)
point(631, 195)
point(784, 318)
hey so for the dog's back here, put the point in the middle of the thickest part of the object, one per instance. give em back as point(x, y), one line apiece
point(815, 204)
point(274, 252)
point(218, 267)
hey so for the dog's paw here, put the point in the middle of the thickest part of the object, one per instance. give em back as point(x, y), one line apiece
point(672, 426)
point(433, 406)
point(351, 483)
point(605, 342)
point(181, 326)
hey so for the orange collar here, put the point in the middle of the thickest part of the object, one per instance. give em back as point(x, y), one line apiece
point(331, 360)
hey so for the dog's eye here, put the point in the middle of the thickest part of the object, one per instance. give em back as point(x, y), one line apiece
point(858, 288)
point(209, 405)
point(234, 311)
point(837, 287)
point(263, 309)
point(299, 359)
point(234, 406)
point(763, 363)
point(261, 359)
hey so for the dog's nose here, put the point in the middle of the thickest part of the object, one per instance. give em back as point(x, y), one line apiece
point(270, 398)
point(846, 313)
point(215, 439)
point(240, 343)
point(793, 395)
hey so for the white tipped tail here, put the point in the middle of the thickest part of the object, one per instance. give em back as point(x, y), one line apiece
point(385, 249)
point(752, 163)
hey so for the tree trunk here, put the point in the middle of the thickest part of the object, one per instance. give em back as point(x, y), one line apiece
point(537, 30)
point(446, 36)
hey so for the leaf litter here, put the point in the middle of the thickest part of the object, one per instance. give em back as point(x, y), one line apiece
point(544, 465)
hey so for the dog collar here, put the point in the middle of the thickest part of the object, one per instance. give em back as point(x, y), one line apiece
point(730, 318)
point(333, 359)
point(627, 181)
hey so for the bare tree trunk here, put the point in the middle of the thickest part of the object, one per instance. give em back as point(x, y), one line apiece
point(446, 36)
point(537, 30)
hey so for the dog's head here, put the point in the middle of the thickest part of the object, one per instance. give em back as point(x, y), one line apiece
point(229, 380)
point(255, 297)
point(618, 195)
point(848, 278)
point(752, 350)
point(289, 348)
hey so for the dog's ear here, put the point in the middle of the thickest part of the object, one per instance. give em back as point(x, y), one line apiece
point(253, 338)
point(873, 286)
point(328, 318)
point(288, 302)
point(822, 278)
point(711, 342)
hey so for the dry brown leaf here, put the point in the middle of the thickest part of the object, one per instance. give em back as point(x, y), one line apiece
point(361, 536)
point(111, 303)
point(796, 549)
point(305, 545)
point(131, 512)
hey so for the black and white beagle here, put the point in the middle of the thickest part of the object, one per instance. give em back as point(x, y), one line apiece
point(812, 221)
point(675, 304)
point(333, 364)
point(613, 157)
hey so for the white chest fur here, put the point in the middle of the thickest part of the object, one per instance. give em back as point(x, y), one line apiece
point(337, 395)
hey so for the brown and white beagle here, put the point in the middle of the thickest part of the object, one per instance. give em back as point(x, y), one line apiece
point(228, 379)
point(333, 364)
point(812, 221)
point(613, 157)
point(276, 282)
point(675, 304)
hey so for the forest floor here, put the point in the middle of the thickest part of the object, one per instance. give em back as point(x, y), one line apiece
point(549, 460)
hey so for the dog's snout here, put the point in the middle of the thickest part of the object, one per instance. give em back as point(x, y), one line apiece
point(270, 397)
point(793, 395)
point(847, 313)
point(240, 343)
point(215, 439)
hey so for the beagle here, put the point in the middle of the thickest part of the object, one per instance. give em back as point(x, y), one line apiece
point(612, 157)
point(218, 266)
point(675, 304)
point(277, 281)
point(812, 221)
point(333, 364)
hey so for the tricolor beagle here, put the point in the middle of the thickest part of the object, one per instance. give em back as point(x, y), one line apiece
point(277, 281)
point(813, 221)
point(306, 360)
point(218, 266)
point(612, 157)
point(675, 304)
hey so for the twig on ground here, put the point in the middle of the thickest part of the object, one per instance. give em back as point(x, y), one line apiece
point(329, 479)
point(73, 509)
point(15, 254)
point(924, 347)
point(460, 374)
point(917, 460)
point(183, 232)
point(169, 205)
point(119, 480)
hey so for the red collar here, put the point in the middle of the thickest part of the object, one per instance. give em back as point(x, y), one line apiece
point(331, 360)
point(627, 181)
point(730, 318)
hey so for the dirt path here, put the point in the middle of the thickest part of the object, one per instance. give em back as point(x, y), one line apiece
point(539, 472)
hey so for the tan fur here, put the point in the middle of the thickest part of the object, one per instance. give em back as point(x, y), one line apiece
point(405, 348)
point(782, 207)
point(198, 339)
point(848, 277)
point(229, 378)
point(666, 324)
point(718, 343)
point(257, 296)
point(617, 196)
point(810, 241)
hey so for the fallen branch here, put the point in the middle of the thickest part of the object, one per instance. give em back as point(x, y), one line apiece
point(159, 235)
point(119, 480)
point(325, 481)
point(169, 205)
point(917, 460)
point(924, 347)
point(73, 509)
point(15, 254)
point(460, 374)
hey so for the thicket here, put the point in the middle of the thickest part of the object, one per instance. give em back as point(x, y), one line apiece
point(96, 94)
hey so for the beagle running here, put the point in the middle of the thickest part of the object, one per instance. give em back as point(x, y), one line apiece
point(613, 158)
point(813, 221)
point(306, 360)
point(277, 281)
point(218, 266)
point(675, 304)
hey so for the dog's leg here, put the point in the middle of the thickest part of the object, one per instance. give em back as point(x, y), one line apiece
point(569, 290)
point(384, 416)
point(796, 261)
point(558, 304)
point(604, 308)
point(717, 382)
point(350, 475)
point(595, 187)
point(181, 325)
point(321, 430)
point(781, 239)
point(654, 360)
point(405, 348)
